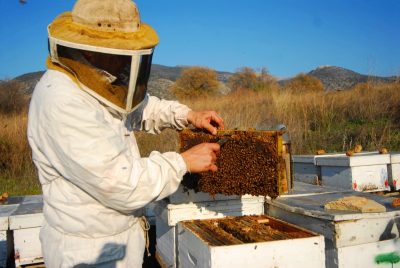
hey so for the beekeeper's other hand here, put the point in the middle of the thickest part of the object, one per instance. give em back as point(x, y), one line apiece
point(201, 158)
point(208, 120)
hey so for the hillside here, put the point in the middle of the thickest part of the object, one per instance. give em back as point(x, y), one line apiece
point(29, 81)
point(337, 78)
point(162, 77)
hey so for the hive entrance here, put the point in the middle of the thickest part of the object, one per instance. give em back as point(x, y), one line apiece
point(250, 162)
point(245, 229)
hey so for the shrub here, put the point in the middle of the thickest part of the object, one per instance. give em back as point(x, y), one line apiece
point(247, 78)
point(196, 82)
point(303, 82)
point(12, 99)
point(5, 154)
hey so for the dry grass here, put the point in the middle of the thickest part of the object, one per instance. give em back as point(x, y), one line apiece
point(333, 121)
point(17, 173)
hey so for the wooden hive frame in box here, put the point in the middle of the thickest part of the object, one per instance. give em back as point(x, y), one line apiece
point(244, 229)
point(250, 162)
point(248, 241)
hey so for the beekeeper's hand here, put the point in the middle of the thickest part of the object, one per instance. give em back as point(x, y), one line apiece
point(208, 120)
point(201, 157)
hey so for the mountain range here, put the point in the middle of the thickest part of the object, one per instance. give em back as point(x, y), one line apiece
point(337, 78)
point(162, 77)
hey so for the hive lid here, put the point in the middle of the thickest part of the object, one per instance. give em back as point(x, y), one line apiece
point(28, 214)
point(21, 207)
point(311, 203)
point(312, 159)
point(395, 158)
point(303, 159)
point(5, 212)
point(363, 159)
point(26, 220)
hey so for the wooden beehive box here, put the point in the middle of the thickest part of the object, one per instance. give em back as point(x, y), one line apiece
point(306, 170)
point(168, 215)
point(352, 239)
point(5, 211)
point(250, 162)
point(3, 239)
point(25, 223)
point(394, 171)
point(363, 172)
point(248, 241)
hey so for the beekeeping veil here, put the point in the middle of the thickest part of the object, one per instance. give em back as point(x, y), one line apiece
point(104, 45)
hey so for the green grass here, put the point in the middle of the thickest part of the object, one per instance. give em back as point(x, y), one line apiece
point(22, 185)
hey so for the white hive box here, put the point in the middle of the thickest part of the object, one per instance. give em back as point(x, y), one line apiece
point(174, 213)
point(166, 251)
point(305, 170)
point(185, 196)
point(199, 246)
point(365, 172)
point(352, 239)
point(394, 171)
point(168, 215)
point(25, 223)
point(5, 211)
point(3, 239)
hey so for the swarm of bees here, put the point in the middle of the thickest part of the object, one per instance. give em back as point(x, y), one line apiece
point(247, 164)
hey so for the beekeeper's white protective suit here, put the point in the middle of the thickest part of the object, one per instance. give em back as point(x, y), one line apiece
point(88, 164)
point(81, 118)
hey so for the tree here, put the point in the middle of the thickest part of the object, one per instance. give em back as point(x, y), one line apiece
point(303, 82)
point(196, 82)
point(265, 80)
point(247, 78)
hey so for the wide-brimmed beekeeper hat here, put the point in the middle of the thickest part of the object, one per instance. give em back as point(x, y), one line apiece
point(109, 30)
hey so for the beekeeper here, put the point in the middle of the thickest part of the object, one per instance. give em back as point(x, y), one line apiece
point(81, 121)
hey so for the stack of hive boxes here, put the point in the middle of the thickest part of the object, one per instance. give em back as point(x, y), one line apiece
point(362, 172)
point(5, 212)
point(20, 221)
point(252, 165)
point(352, 238)
point(188, 206)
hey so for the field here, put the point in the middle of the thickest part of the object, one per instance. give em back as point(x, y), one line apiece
point(333, 121)
point(17, 172)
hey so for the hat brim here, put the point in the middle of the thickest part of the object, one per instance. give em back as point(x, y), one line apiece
point(64, 28)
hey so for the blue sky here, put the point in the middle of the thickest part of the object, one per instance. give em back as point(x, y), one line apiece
point(285, 36)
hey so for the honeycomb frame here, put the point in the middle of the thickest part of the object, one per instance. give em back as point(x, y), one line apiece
point(250, 162)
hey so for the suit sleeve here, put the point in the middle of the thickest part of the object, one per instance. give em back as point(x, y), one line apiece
point(95, 157)
point(160, 114)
